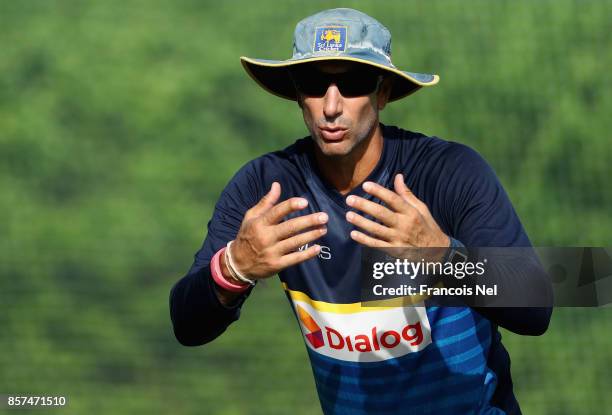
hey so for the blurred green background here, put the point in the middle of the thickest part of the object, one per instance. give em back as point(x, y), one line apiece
point(121, 122)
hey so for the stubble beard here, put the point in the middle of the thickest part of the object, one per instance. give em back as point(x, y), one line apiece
point(350, 144)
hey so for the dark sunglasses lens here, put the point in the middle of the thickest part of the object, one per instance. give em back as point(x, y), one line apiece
point(310, 84)
point(354, 84)
point(351, 84)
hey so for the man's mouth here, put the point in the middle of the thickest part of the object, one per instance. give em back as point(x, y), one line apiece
point(332, 133)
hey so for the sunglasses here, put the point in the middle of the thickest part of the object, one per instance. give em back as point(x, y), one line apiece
point(354, 83)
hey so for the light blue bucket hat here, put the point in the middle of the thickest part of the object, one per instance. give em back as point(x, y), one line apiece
point(336, 34)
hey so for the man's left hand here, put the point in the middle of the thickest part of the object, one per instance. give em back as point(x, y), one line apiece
point(404, 222)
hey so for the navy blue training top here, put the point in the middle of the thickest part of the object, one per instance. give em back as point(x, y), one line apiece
point(417, 359)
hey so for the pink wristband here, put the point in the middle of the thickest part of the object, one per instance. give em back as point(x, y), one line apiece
point(215, 270)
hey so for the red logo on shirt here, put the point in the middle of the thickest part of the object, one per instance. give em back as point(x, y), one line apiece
point(315, 337)
point(373, 340)
point(369, 341)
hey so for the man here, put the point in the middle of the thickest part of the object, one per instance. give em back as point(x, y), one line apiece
point(306, 212)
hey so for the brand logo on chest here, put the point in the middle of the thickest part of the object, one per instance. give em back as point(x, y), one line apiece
point(367, 335)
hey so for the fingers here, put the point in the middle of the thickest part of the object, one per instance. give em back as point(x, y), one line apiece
point(366, 240)
point(299, 256)
point(373, 209)
point(392, 199)
point(371, 227)
point(278, 212)
point(299, 224)
point(269, 200)
point(293, 243)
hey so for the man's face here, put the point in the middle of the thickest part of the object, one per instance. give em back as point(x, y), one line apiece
point(343, 112)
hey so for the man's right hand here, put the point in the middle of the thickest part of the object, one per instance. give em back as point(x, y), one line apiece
point(265, 245)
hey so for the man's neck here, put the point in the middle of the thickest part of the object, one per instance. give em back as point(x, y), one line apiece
point(347, 172)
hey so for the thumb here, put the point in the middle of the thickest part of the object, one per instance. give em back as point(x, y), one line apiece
point(403, 190)
point(268, 200)
point(406, 194)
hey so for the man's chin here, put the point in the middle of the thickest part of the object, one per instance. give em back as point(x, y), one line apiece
point(334, 153)
point(333, 148)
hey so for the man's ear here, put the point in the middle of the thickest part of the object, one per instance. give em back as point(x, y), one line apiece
point(384, 91)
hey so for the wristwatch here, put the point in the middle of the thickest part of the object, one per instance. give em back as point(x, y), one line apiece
point(457, 252)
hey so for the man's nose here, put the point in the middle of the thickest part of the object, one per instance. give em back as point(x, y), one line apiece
point(332, 101)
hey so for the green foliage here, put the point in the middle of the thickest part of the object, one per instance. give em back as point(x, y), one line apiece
point(121, 122)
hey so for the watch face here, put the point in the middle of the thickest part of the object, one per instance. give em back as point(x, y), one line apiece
point(458, 256)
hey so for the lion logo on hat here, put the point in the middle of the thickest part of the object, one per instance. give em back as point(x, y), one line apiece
point(329, 35)
point(330, 39)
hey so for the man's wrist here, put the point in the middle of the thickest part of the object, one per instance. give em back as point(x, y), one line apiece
point(229, 298)
point(231, 267)
point(220, 280)
point(227, 273)
point(441, 250)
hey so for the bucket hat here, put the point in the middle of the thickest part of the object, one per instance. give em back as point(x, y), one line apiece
point(336, 34)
